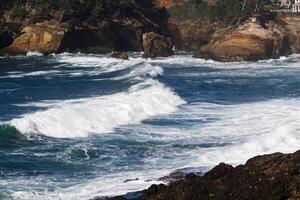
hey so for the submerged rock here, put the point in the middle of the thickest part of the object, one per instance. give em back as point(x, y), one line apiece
point(156, 45)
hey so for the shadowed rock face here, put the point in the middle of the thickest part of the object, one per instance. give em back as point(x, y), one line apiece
point(156, 45)
point(6, 38)
point(274, 177)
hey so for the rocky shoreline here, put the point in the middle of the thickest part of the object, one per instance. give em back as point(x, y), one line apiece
point(263, 36)
point(275, 176)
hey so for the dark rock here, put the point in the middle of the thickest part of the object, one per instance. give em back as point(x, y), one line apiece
point(181, 173)
point(120, 55)
point(6, 38)
point(275, 176)
point(156, 45)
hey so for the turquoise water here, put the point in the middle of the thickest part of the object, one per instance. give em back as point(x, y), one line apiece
point(76, 126)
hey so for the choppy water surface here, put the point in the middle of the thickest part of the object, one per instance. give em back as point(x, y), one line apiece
point(76, 126)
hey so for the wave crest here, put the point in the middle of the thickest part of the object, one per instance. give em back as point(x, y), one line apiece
point(101, 114)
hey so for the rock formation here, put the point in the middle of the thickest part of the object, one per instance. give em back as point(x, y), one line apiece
point(156, 45)
point(292, 24)
point(250, 41)
point(275, 176)
point(42, 37)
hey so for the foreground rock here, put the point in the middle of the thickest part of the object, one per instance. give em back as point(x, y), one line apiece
point(156, 45)
point(275, 176)
point(251, 41)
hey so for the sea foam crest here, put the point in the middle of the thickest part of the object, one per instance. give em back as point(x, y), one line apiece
point(34, 53)
point(101, 114)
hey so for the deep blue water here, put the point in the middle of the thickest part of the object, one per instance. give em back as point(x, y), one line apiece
point(76, 126)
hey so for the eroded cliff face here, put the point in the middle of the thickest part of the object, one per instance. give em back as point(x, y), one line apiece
point(42, 37)
point(253, 40)
point(57, 31)
point(292, 24)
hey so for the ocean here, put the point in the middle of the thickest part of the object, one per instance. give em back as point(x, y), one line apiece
point(78, 126)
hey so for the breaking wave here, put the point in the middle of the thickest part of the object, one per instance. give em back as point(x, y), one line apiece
point(69, 119)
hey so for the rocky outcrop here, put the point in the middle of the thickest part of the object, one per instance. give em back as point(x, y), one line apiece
point(292, 24)
point(156, 45)
point(275, 176)
point(6, 38)
point(42, 37)
point(57, 30)
point(53, 37)
point(250, 41)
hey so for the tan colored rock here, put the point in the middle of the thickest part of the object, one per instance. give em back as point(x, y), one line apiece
point(251, 41)
point(156, 45)
point(43, 37)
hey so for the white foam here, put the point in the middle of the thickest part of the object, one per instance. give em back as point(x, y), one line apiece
point(34, 73)
point(34, 53)
point(111, 185)
point(101, 114)
point(251, 129)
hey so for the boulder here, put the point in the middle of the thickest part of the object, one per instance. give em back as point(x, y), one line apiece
point(250, 41)
point(156, 45)
point(120, 55)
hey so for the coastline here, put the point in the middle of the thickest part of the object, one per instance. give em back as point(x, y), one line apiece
point(108, 97)
point(273, 176)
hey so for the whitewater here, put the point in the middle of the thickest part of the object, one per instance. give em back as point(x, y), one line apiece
point(78, 126)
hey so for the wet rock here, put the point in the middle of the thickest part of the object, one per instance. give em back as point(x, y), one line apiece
point(275, 176)
point(181, 173)
point(120, 55)
point(156, 45)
